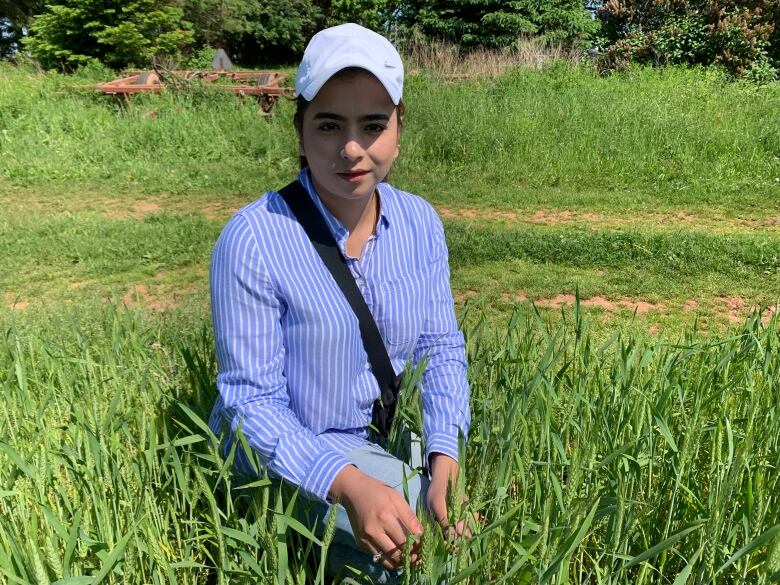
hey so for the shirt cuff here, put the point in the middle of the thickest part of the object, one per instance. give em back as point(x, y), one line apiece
point(441, 443)
point(323, 471)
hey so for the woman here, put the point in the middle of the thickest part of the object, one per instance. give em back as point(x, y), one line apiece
point(293, 372)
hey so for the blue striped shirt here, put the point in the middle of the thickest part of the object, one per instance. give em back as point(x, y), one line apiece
point(292, 368)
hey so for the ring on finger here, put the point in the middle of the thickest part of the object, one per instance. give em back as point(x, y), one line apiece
point(377, 556)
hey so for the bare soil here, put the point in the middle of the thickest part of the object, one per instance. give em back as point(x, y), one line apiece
point(165, 291)
point(733, 309)
point(146, 296)
point(626, 303)
point(517, 297)
point(18, 304)
point(117, 209)
point(461, 297)
point(565, 216)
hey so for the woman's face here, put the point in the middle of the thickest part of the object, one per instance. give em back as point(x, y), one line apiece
point(349, 135)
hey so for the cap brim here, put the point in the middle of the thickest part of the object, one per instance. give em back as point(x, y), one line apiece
point(315, 85)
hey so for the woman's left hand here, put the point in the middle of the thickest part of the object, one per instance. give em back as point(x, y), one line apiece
point(444, 477)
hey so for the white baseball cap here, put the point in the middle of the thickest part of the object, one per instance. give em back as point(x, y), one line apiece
point(349, 45)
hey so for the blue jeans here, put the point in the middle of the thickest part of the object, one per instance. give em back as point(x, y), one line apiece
point(344, 552)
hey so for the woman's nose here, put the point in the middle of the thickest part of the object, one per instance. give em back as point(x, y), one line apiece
point(352, 150)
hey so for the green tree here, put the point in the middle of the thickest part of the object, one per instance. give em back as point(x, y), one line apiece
point(259, 32)
point(117, 33)
point(220, 23)
point(372, 14)
point(497, 23)
point(15, 17)
point(278, 31)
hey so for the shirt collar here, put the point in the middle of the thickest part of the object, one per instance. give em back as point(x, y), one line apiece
point(336, 227)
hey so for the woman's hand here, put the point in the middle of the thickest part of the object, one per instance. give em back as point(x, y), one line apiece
point(380, 517)
point(444, 477)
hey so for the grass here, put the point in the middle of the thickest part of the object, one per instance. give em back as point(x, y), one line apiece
point(614, 462)
point(644, 140)
point(649, 140)
point(630, 438)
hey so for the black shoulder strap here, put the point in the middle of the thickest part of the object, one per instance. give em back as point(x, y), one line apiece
point(307, 214)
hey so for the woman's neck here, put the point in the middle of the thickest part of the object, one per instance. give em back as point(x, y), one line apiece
point(358, 216)
point(360, 219)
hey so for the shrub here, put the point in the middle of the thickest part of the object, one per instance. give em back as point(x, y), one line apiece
point(496, 24)
point(79, 32)
point(740, 35)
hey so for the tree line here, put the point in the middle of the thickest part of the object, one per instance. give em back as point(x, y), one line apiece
point(741, 35)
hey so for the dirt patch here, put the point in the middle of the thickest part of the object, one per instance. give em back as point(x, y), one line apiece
point(215, 210)
point(146, 296)
point(22, 204)
point(598, 220)
point(732, 308)
point(552, 218)
point(137, 210)
point(768, 313)
point(518, 297)
point(626, 303)
point(167, 288)
point(537, 217)
point(452, 213)
point(18, 305)
point(462, 297)
point(763, 222)
point(684, 217)
point(555, 302)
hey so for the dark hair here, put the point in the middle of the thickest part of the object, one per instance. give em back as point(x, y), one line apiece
point(302, 104)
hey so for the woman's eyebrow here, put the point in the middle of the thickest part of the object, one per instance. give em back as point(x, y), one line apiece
point(329, 116)
point(375, 117)
point(340, 118)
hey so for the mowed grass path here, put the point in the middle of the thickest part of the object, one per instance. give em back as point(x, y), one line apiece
point(156, 255)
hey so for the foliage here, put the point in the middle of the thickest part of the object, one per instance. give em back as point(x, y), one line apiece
point(217, 23)
point(15, 17)
point(494, 23)
point(119, 34)
point(203, 58)
point(369, 13)
point(278, 30)
point(741, 35)
point(258, 33)
point(254, 32)
point(20, 11)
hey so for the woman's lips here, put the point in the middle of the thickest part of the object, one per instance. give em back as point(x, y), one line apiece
point(353, 176)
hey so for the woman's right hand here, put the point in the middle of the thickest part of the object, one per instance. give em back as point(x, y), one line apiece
point(380, 517)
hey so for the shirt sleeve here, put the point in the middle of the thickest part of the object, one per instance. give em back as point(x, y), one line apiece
point(445, 389)
point(246, 314)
